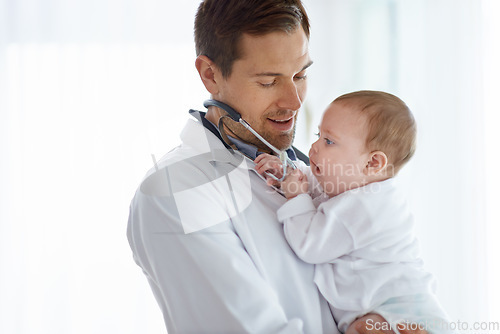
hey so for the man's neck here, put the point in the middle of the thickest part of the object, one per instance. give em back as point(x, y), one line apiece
point(213, 115)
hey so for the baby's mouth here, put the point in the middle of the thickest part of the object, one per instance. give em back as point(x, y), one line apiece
point(314, 168)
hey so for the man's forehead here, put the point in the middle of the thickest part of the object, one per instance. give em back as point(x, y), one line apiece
point(274, 51)
point(277, 74)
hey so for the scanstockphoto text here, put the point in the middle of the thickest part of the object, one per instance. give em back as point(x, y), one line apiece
point(438, 326)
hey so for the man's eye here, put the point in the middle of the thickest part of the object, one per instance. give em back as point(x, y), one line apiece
point(267, 84)
point(301, 77)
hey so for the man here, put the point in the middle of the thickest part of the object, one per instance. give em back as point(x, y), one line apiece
point(203, 224)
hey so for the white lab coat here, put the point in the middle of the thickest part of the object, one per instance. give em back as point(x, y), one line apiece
point(367, 255)
point(203, 228)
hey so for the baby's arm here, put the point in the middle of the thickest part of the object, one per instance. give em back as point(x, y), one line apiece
point(315, 236)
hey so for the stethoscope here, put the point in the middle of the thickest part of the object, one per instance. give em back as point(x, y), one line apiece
point(235, 116)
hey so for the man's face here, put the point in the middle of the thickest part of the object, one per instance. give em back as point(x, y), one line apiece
point(267, 86)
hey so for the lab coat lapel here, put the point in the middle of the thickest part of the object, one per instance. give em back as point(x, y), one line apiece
point(236, 169)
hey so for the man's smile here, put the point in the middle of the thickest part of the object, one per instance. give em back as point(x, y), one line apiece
point(282, 124)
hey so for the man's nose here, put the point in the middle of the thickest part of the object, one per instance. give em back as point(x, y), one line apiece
point(290, 97)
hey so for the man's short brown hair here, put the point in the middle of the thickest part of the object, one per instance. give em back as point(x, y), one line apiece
point(219, 25)
point(391, 127)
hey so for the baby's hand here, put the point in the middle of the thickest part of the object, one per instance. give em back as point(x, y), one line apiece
point(295, 184)
point(266, 163)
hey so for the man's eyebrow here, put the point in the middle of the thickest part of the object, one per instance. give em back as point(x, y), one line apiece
point(273, 74)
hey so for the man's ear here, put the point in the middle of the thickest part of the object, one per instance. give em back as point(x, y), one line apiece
point(377, 163)
point(208, 73)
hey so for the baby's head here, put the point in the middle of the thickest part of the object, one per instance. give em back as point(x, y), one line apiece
point(364, 137)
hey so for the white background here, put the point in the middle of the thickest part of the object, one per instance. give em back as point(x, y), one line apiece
point(90, 90)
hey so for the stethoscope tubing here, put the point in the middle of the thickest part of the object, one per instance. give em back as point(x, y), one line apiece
point(236, 116)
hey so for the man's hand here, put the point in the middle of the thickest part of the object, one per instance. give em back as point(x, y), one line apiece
point(375, 324)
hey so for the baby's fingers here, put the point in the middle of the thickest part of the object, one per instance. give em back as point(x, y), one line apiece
point(268, 166)
point(272, 182)
point(296, 174)
point(260, 157)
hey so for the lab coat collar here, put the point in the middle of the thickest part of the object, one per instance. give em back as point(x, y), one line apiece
point(198, 135)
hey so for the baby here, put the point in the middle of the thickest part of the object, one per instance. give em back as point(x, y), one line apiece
point(344, 214)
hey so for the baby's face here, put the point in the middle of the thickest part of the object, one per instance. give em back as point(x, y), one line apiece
point(339, 157)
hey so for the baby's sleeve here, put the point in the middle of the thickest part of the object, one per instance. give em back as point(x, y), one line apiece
point(314, 235)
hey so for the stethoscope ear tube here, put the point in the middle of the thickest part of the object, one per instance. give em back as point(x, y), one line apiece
point(235, 116)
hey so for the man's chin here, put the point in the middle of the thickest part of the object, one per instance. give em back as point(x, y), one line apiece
point(284, 141)
point(281, 141)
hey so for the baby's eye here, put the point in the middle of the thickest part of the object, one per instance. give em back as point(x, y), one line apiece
point(317, 134)
point(329, 142)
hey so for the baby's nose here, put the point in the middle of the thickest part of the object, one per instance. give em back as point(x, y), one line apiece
point(313, 148)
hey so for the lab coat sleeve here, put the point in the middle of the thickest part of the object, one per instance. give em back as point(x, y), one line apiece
point(204, 282)
point(314, 235)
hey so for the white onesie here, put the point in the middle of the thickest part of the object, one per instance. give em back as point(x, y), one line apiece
point(366, 253)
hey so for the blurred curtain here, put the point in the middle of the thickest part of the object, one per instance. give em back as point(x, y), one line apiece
point(91, 92)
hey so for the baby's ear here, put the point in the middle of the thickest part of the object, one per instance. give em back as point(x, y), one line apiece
point(376, 164)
